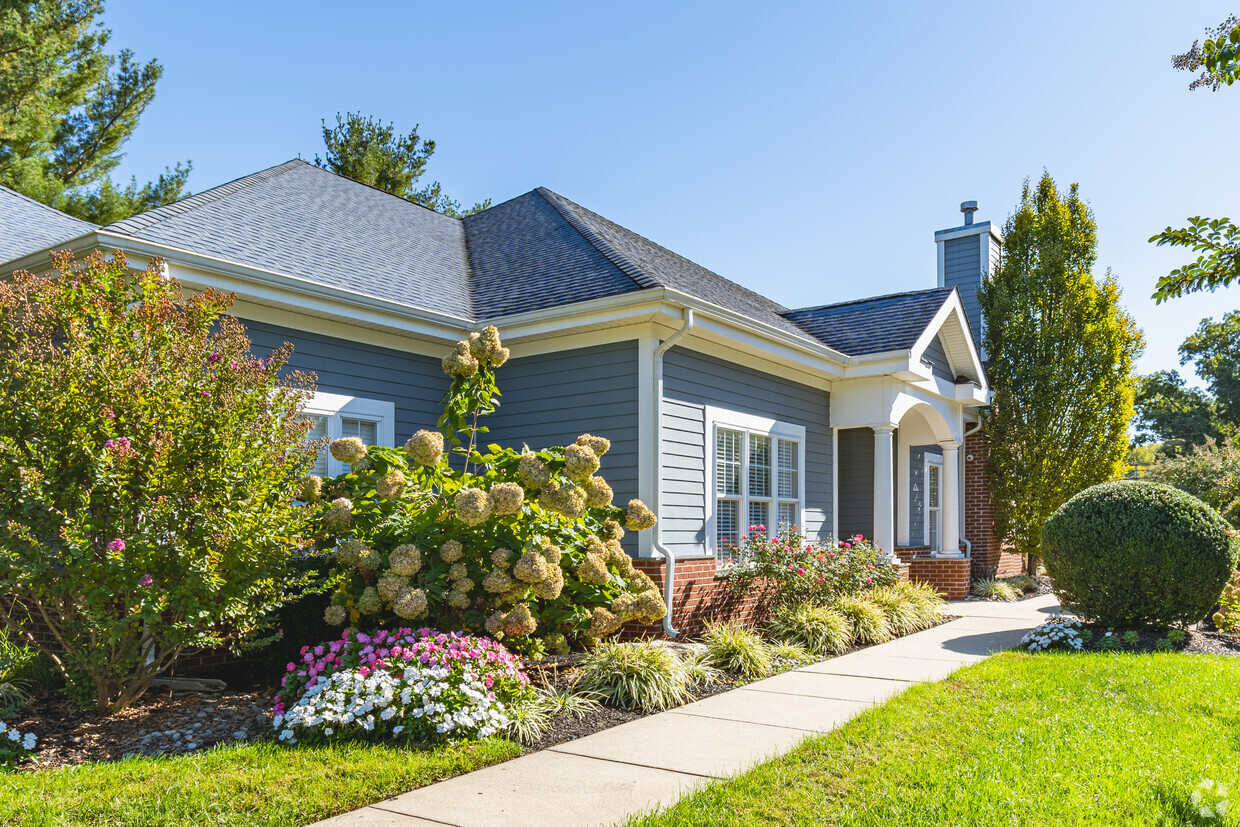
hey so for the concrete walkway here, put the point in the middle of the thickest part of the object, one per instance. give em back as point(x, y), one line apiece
point(651, 762)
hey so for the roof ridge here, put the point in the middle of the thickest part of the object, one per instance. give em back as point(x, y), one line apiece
point(148, 219)
point(47, 207)
point(622, 263)
point(928, 290)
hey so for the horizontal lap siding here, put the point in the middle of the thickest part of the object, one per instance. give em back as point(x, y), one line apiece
point(962, 269)
point(413, 383)
point(937, 357)
point(856, 469)
point(691, 381)
point(553, 398)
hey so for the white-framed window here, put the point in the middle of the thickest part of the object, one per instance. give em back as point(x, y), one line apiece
point(755, 473)
point(934, 499)
point(335, 416)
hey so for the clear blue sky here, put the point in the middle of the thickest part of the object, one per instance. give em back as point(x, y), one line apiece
point(807, 151)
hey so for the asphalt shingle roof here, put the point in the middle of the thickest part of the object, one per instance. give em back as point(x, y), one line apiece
point(26, 226)
point(875, 325)
point(535, 251)
point(304, 221)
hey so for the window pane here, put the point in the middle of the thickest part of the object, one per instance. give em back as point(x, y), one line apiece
point(727, 523)
point(932, 486)
point(728, 462)
point(759, 466)
point(759, 514)
point(789, 468)
point(787, 515)
point(363, 429)
point(318, 430)
point(933, 529)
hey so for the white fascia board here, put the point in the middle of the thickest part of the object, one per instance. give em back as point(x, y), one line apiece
point(979, 228)
point(953, 306)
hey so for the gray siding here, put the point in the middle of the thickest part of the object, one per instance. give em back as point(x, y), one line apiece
point(414, 383)
point(917, 492)
point(856, 469)
point(691, 381)
point(553, 398)
point(936, 354)
point(962, 269)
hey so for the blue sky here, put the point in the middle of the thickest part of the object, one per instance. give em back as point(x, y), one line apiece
point(805, 150)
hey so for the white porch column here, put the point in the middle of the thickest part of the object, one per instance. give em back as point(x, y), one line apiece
point(884, 488)
point(951, 499)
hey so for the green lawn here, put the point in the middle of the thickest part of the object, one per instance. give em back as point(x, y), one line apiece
point(1050, 739)
point(251, 784)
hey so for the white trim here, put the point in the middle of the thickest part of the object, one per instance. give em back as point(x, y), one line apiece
point(904, 502)
point(649, 455)
point(953, 307)
point(749, 424)
point(941, 255)
point(835, 483)
point(982, 227)
point(928, 460)
point(333, 406)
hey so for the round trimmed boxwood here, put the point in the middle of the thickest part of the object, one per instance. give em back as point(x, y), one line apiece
point(1138, 554)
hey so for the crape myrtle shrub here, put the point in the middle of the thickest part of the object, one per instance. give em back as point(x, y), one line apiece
point(523, 545)
point(149, 466)
point(1138, 554)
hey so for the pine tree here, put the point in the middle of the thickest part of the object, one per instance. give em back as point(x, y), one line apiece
point(1061, 352)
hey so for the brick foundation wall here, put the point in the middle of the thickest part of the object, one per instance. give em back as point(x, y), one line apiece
point(949, 575)
point(990, 558)
point(698, 597)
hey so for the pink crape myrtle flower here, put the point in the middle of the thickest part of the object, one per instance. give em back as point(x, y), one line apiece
point(116, 546)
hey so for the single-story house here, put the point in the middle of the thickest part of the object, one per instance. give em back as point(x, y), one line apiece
point(725, 409)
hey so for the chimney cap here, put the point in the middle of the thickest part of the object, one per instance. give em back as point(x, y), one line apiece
point(968, 208)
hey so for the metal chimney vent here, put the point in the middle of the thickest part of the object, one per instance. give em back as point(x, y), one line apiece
point(968, 208)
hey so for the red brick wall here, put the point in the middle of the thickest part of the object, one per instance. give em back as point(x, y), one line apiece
point(990, 559)
point(698, 596)
point(951, 576)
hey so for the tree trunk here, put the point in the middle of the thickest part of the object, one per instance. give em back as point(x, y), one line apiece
point(1031, 564)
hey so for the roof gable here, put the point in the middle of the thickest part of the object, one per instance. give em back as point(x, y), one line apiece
point(876, 325)
point(28, 226)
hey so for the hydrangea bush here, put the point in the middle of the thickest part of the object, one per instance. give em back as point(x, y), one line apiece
point(800, 569)
point(417, 685)
point(524, 545)
point(149, 466)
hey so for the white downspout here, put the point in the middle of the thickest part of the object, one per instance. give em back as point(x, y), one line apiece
point(669, 573)
point(968, 547)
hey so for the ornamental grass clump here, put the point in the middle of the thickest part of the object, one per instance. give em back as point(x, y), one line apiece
point(644, 675)
point(903, 615)
point(524, 545)
point(150, 468)
point(925, 600)
point(866, 621)
point(414, 685)
point(991, 589)
point(738, 649)
point(820, 630)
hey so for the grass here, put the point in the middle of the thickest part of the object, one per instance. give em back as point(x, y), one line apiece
point(1064, 739)
point(249, 784)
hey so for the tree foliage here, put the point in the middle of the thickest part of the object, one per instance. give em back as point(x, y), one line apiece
point(1061, 351)
point(148, 471)
point(1210, 472)
point(67, 106)
point(372, 152)
point(1217, 239)
point(1170, 412)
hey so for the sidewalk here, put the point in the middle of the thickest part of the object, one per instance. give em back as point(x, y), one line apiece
point(651, 762)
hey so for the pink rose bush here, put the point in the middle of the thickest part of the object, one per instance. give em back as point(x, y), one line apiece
point(419, 685)
point(802, 569)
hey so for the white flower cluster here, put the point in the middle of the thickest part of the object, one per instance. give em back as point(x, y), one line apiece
point(430, 700)
point(1060, 631)
point(26, 741)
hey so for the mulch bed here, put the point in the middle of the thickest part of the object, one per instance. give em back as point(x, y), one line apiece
point(1198, 642)
point(159, 724)
point(1044, 587)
